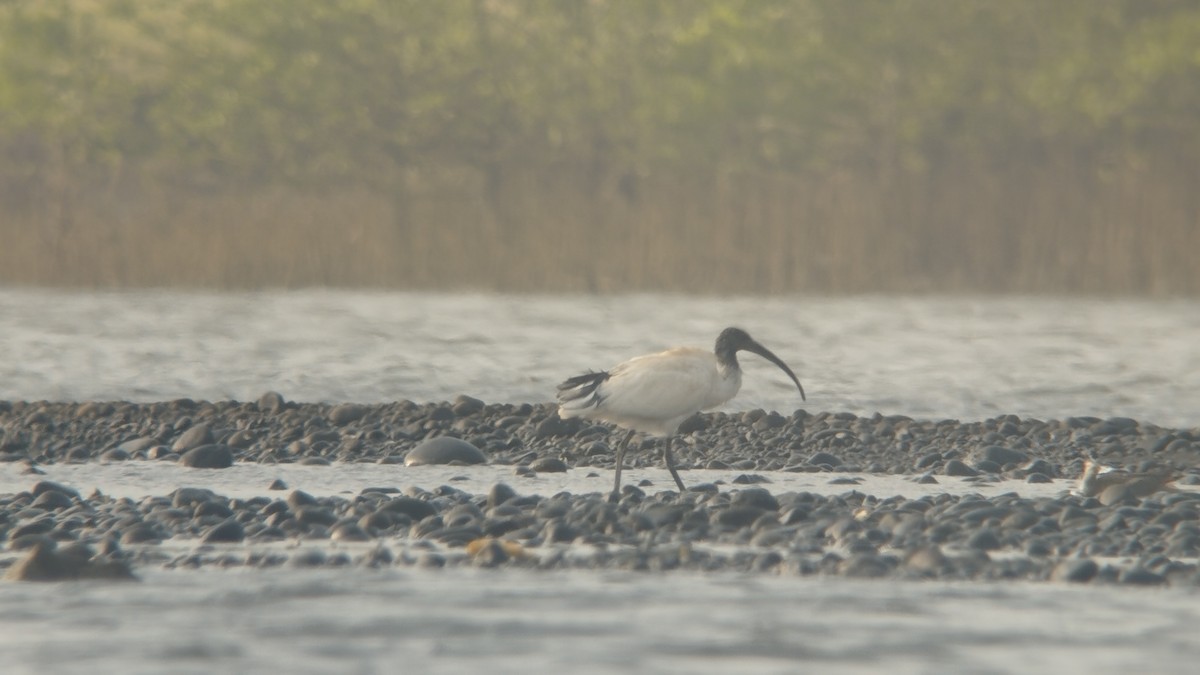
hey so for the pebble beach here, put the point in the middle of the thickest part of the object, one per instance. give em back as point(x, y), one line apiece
point(747, 520)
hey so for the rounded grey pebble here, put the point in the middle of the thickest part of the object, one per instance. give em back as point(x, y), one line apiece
point(1079, 570)
point(556, 426)
point(194, 437)
point(136, 445)
point(228, 531)
point(410, 506)
point(984, 540)
point(345, 413)
point(444, 450)
point(1037, 548)
point(298, 498)
point(190, 496)
point(999, 455)
point(927, 560)
point(1140, 576)
point(956, 468)
point(39, 526)
point(47, 563)
point(271, 402)
point(558, 531)
point(213, 508)
point(270, 534)
point(379, 557)
point(315, 515)
point(212, 456)
point(549, 465)
point(161, 452)
point(768, 560)
point(376, 520)
point(441, 413)
point(466, 405)
point(1039, 466)
point(863, 566)
point(114, 455)
point(141, 533)
point(349, 532)
point(52, 500)
point(491, 555)
point(381, 490)
point(987, 466)
point(692, 424)
point(758, 498)
point(929, 460)
point(499, 494)
point(310, 558)
point(277, 484)
point(825, 459)
point(736, 516)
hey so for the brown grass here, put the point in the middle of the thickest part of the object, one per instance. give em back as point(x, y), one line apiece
point(1060, 225)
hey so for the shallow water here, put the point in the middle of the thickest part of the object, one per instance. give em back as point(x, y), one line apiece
point(510, 621)
point(244, 480)
point(966, 358)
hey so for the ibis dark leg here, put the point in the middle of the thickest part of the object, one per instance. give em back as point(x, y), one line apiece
point(671, 463)
point(616, 493)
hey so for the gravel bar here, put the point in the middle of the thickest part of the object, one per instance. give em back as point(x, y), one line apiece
point(51, 531)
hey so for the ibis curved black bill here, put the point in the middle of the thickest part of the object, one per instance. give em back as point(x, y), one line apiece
point(751, 345)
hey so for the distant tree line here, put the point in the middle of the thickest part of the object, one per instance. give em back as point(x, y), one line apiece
point(714, 145)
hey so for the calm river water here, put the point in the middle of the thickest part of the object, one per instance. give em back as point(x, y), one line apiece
point(966, 358)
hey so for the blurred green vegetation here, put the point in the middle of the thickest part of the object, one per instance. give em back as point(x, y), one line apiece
point(700, 145)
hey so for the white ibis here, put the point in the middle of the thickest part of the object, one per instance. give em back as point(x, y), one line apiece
point(1096, 479)
point(656, 392)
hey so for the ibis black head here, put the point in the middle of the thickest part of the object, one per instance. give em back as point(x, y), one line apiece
point(732, 340)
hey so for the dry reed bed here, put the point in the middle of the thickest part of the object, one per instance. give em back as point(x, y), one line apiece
point(1059, 226)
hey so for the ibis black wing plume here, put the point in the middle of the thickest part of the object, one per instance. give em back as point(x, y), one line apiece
point(581, 391)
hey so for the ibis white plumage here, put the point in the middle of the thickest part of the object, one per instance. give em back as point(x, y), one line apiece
point(1097, 479)
point(656, 392)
